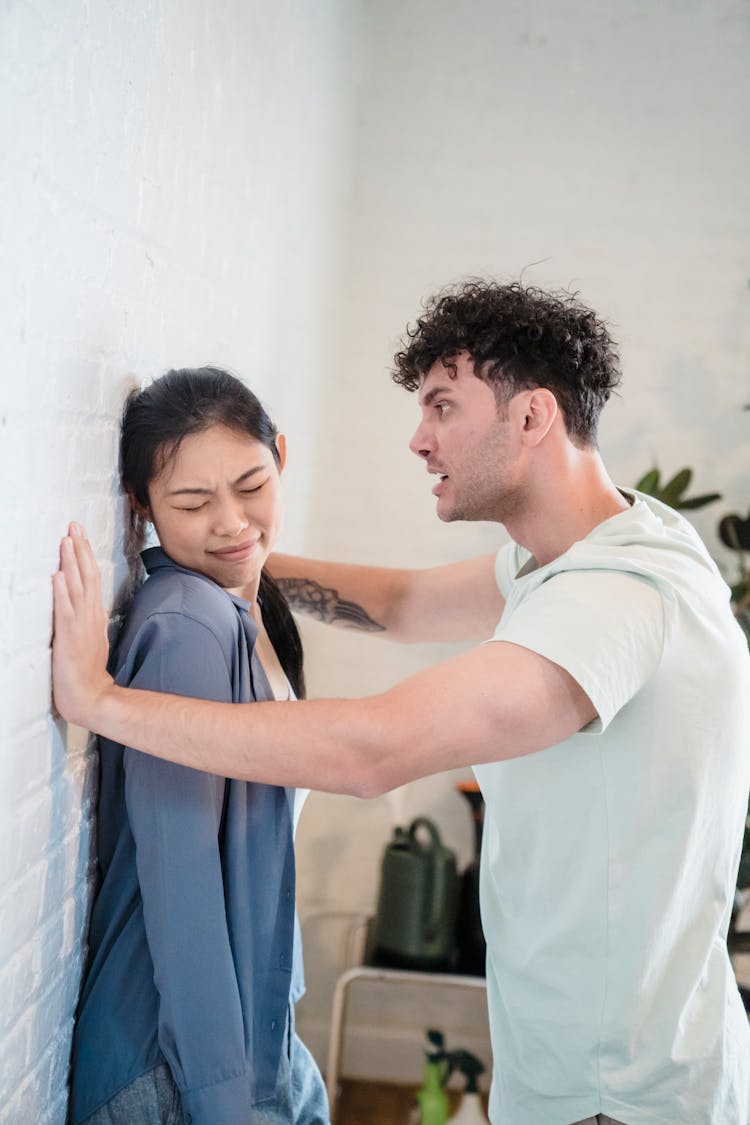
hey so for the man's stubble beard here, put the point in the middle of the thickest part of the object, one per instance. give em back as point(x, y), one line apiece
point(486, 495)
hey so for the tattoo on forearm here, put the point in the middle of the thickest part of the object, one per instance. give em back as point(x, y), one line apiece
point(324, 604)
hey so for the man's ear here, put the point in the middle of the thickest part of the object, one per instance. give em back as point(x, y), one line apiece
point(281, 450)
point(540, 412)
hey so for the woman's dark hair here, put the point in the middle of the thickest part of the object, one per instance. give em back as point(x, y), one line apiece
point(518, 337)
point(155, 421)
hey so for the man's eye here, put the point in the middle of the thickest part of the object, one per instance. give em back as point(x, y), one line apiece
point(247, 491)
point(197, 509)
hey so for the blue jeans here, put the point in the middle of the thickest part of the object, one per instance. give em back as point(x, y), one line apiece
point(153, 1098)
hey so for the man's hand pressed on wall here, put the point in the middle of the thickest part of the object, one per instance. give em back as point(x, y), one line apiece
point(79, 643)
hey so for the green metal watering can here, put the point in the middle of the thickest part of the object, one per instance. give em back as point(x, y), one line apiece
point(415, 923)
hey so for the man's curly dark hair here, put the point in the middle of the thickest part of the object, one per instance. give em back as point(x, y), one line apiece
point(518, 337)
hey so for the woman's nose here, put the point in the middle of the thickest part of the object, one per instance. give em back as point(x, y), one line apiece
point(230, 521)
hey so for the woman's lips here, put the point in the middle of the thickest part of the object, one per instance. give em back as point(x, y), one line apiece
point(235, 554)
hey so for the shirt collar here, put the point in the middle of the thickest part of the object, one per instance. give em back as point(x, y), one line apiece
point(156, 558)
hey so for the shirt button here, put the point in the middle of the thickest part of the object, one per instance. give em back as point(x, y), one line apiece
point(273, 1028)
point(288, 893)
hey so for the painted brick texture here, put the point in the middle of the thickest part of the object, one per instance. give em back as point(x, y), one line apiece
point(169, 195)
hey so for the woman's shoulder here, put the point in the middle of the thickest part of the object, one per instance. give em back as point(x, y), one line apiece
point(187, 599)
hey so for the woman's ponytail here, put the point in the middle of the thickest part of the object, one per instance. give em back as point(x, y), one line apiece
point(282, 632)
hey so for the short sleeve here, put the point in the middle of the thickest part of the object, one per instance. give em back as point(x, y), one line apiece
point(605, 628)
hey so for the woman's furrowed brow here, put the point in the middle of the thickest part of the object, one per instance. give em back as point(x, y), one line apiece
point(198, 491)
point(249, 473)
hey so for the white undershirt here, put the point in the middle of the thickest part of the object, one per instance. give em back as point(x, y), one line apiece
point(300, 795)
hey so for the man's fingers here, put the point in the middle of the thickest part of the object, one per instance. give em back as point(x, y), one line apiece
point(60, 599)
point(78, 564)
point(79, 648)
point(70, 571)
point(88, 570)
point(62, 614)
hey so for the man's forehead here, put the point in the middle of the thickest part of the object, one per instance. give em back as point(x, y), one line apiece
point(443, 374)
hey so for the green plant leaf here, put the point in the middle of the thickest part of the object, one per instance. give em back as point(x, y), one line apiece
point(741, 589)
point(673, 492)
point(649, 483)
point(699, 501)
point(674, 488)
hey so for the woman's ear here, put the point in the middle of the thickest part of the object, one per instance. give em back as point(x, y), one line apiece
point(281, 450)
point(140, 509)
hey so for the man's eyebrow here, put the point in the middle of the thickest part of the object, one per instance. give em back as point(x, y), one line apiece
point(433, 394)
point(207, 491)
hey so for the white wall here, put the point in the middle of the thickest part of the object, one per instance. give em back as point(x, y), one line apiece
point(174, 190)
point(171, 184)
point(598, 146)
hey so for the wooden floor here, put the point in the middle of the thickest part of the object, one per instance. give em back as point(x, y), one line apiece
point(365, 1103)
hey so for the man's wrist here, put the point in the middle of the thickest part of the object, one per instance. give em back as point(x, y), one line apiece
point(96, 711)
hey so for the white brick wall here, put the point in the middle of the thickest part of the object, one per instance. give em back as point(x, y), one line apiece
point(169, 194)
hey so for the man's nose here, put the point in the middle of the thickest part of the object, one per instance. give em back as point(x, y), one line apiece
point(422, 443)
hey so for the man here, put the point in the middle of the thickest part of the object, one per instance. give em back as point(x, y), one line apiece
point(606, 721)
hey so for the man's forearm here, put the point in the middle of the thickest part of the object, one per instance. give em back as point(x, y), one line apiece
point(325, 604)
point(323, 744)
point(352, 597)
point(451, 715)
point(457, 602)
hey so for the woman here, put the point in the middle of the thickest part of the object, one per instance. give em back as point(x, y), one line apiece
point(186, 1013)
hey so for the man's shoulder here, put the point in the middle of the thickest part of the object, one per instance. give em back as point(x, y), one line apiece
point(648, 540)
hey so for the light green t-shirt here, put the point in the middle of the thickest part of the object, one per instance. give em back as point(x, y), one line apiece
point(609, 861)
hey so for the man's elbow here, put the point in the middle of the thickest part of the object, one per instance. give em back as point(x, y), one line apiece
point(372, 773)
point(368, 780)
point(373, 755)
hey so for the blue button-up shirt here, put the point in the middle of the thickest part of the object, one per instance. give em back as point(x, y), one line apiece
point(192, 936)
